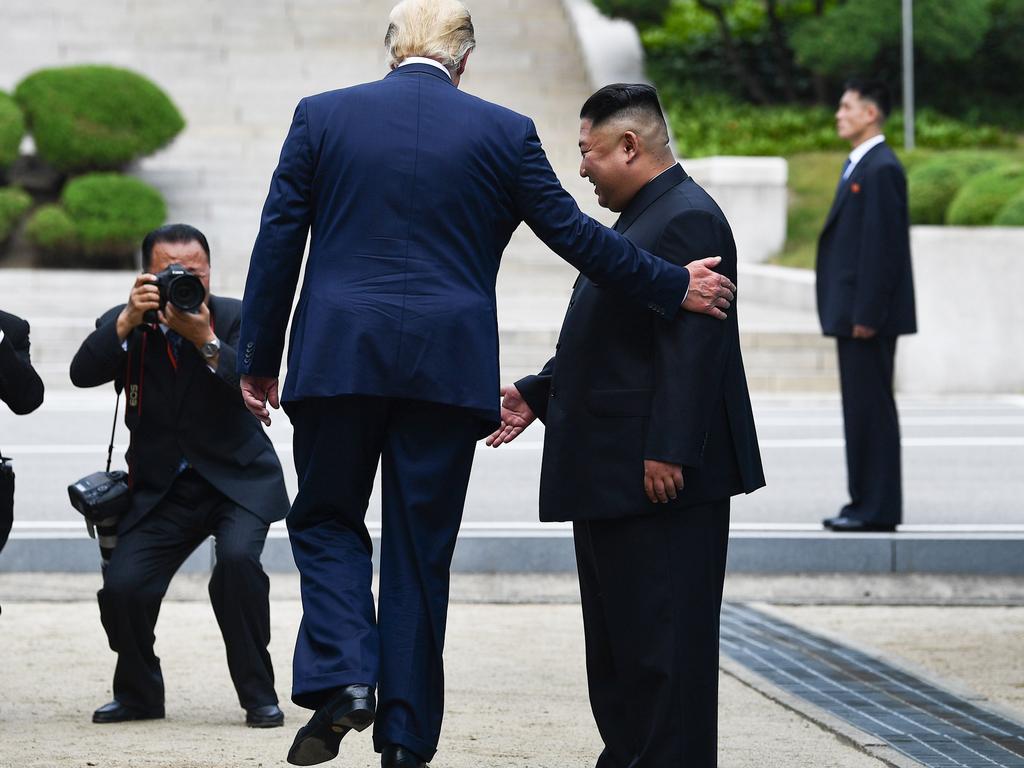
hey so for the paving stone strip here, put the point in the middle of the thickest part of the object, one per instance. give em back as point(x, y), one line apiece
point(918, 719)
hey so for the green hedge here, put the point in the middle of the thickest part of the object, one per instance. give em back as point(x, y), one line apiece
point(112, 213)
point(89, 118)
point(13, 204)
point(710, 124)
point(1012, 214)
point(934, 183)
point(12, 129)
point(983, 197)
point(53, 234)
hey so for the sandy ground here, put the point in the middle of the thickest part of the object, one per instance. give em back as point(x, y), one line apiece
point(516, 696)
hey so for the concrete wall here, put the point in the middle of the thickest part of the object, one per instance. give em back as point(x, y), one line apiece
point(970, 315)
point(752, 192)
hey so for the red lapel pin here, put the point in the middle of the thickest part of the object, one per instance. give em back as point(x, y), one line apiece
point(855, 188)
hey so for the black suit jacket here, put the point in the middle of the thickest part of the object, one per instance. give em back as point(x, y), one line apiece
point(20, 385)
point(186, 412)
point(864, 274)
point(625, 385)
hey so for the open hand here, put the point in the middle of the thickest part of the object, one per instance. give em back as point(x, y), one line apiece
point(709, 293)
point(662, 481)
point(257, 393)
point(516, 416)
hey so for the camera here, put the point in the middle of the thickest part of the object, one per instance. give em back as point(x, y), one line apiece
point(180, 287)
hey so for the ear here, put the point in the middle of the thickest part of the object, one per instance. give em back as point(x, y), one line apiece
point(462, 64)
point(630, 145)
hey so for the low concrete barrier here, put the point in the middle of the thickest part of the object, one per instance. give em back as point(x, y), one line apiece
point(752, 193)
point(969, 341)
point(548, 548)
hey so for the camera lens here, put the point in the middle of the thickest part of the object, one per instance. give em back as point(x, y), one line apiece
point(186, 292)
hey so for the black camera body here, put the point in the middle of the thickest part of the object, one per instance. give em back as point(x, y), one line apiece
point(180, 287)
point(102, 497)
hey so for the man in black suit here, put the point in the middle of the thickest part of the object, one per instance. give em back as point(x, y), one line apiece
point(22, 390)
point(649, 432)
point(866, 299)
point(200, 465)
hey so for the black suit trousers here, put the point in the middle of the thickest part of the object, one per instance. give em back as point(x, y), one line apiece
point(872, 429)
point(651, 589)
point(140, 570)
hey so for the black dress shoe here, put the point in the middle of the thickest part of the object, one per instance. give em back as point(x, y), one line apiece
point(397, 756)
point(116, 712)
point(349, 709)
point(269, 716)
point(843, 524)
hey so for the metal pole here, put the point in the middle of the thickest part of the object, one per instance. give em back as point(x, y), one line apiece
point(908, 74)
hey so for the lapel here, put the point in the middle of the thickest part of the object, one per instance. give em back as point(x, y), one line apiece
point(650, 192)
point(420, 69)
point(843, 192)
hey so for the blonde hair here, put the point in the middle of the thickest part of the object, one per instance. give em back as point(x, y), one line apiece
point(435, 29)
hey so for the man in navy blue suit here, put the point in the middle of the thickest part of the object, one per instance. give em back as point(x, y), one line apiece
point(866, 300)
point(410, 190)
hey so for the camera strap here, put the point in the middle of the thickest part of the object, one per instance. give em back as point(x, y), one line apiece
point(110, 454)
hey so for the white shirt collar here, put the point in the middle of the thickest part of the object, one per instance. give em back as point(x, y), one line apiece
point(424, 60)
point(862, 149)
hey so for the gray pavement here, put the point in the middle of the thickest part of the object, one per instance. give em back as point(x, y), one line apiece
point(962, 460)
point(515, 679)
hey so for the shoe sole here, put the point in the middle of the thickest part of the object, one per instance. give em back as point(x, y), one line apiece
point(321, 743)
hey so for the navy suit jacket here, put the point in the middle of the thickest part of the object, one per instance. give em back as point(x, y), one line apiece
point(624, 386)
point(179, 409)
point(20, 385)
point(410, 190)
point(864, 275)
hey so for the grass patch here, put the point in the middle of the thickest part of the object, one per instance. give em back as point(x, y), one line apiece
point(813, 177)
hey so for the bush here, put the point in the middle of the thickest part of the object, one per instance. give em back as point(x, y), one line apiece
point(1012, 214)
point(112, 213)
point(90, 118)
point(934, 184)
point(54, 234)
point(12, 129)
point(712, 124)
point(13, 204)
point(984, 196)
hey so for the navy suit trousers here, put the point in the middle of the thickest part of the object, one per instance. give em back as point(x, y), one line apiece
point(425, 451)
point(872, 429)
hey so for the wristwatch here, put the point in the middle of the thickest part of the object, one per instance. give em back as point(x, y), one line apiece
point(210, 349)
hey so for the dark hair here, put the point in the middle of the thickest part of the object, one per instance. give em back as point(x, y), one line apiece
point(874, 91)
point(172, 233)
point(613, 100)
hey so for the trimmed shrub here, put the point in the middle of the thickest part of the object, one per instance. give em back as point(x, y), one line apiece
point(91, 118)
point(13, 204)
point(1012, 214)
point(934, 183)
point(112, 213)
point(53, 234)
point(12, 129)
point(984, 196)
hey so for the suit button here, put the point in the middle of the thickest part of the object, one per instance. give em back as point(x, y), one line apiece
point(552, 391)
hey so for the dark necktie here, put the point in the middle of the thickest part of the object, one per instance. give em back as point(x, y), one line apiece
point(174, 339)
point(842, 175)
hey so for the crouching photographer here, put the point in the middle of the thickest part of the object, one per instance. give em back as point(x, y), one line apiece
point(199, 465)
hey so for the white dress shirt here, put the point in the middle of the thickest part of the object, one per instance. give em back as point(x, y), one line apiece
point(860, 150)
point(424, 60)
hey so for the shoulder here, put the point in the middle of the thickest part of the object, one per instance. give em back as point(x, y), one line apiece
point(110, 315)
point(13, 325)
point(225, 308)
point(689, 206)
point(882, 161)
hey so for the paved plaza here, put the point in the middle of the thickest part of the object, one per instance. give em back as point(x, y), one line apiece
point(516, 695)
